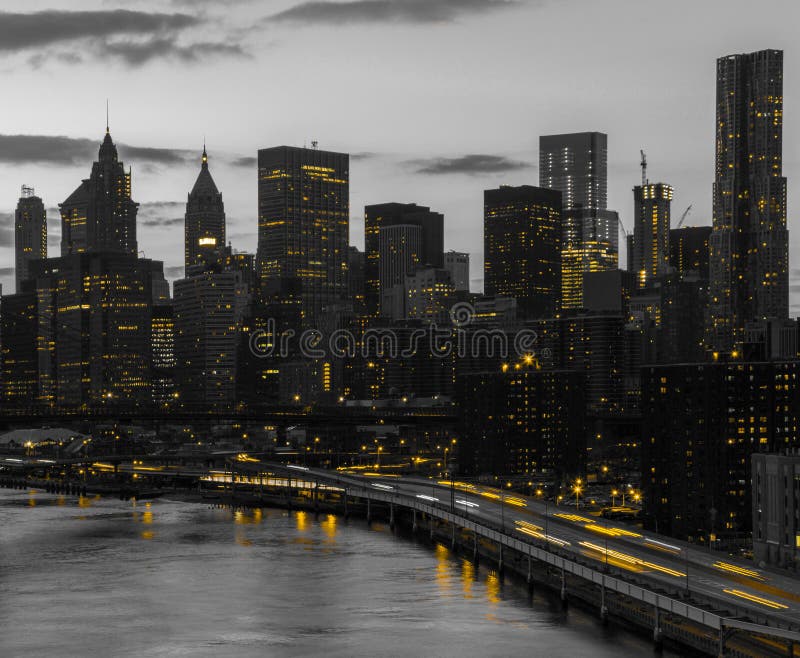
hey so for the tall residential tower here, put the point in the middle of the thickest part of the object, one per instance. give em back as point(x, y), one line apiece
point(749, 245)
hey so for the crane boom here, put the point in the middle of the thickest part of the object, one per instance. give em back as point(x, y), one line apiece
point(684, 215)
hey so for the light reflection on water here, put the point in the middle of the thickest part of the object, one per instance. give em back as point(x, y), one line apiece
point(97, 577)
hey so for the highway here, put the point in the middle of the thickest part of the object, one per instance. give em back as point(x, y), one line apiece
point(621, 549)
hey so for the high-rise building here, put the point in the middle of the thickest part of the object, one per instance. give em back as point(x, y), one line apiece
point(749, 244)
point(457, 263)
point(204, 228)
point(521, 246)
point(428, 293)
point(520, 419)
point(400, 248)
point(651, 231)
point(94, 327)
point(702, 423)
point(688, 249)
point(209, 307)
point(303, 226)
point(100, 214)
point(355, 281)
point(162, 325)
point(20, 360)
point(575, 164)
point(380, 215)
point(30, 233)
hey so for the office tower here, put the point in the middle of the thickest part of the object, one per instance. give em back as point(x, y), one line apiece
point(400, 249)
point(204, 227)
point(776, 509)
point(162, 325)
point(428, 294)
point(303, 226)
point(30, 233)
point(457, 263)
point(20, 359)
point(749, 268)
point(355, 281)
point(519, 419)
point(688, 250)
point(94, 334)
point(209, 307)
point(389, 214)
point(521, 246)
point(100, 214)
point(651, 231)
point(702, 425)
point(575, 164)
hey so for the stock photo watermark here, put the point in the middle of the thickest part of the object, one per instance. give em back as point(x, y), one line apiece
point(461, 337)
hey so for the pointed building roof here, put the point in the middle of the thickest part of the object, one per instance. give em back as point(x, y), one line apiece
point(204, 185)
point(108, 151)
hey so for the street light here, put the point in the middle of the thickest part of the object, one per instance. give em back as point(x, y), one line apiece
point(577, 489)
point(614, 494)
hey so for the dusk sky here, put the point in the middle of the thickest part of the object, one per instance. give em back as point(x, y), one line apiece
point(436, 100)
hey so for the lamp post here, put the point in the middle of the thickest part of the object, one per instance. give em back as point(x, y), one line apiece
point(614, 494)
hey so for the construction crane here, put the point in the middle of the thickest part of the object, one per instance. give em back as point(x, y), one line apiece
point(622, 226)
point(683, 216)
point(643, 165)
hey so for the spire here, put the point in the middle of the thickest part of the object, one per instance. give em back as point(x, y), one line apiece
point(204, 185)
point(108, 130)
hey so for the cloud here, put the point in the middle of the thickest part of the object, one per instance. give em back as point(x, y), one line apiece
point(137, 53)
point(386, 11)
point(473, 164)
point(45, 28)
point(132, 37)
point(61, 150)
point(245, 161)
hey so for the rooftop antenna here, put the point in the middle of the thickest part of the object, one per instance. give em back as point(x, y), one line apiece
point(107, 130)
point(644, 168)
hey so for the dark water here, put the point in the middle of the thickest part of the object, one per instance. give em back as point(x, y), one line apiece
point(101, 577)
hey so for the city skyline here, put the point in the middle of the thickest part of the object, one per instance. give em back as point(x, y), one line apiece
point(417, 157)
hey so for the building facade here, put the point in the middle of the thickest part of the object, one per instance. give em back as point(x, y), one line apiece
point(652, 203)
point(303, 226)
point(30, 233)
point(204, 222)
point(521, 246)
point(749, 244)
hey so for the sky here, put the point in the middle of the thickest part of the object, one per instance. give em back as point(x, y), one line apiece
point(435, 100)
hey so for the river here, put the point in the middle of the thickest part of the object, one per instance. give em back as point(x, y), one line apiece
point(102, 577)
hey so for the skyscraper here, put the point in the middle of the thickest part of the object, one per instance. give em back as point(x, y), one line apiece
point(400, 248)
point(303, 226)
point(521, 246)
point(30, 233)
point(749, 245)
point(204, 228)
point(688, 249)
point(100, 214)
point(651, 231)
point(209, 307)
point(575, 164)
point(389, 214)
